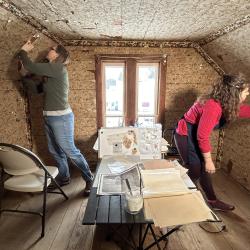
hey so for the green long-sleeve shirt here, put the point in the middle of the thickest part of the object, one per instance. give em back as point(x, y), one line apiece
point(56, 88)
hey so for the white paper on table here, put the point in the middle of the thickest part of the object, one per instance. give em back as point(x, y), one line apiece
point(177, 210)
point(163, 182)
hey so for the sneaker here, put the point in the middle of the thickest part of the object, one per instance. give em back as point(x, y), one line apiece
point(60, 181)
point(87, 188)
point(220, 205)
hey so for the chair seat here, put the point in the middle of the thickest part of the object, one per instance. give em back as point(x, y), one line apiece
point(33, 182)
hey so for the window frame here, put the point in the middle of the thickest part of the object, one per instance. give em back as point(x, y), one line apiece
point(130, 108)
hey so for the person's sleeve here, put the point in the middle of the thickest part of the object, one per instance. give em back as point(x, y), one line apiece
point(31, 85)
point(244, 111)
point(41, 69)
point(209, 119)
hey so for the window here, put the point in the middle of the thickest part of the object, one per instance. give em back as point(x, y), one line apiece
point(114, 89)
point(147, 83)
point(130, 89)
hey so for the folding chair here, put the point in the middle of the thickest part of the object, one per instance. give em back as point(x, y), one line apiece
point(23, 171)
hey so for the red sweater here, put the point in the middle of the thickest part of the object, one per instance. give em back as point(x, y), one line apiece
point(207, 116)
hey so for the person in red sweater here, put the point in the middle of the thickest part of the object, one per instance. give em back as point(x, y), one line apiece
point(222, 106)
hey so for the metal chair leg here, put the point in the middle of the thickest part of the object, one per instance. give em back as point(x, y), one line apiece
point(44, 205)
point(1, 190)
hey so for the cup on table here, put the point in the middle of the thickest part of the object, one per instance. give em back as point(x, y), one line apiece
point(133, 196)
point(133, 201)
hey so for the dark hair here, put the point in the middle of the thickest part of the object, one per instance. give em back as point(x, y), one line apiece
point(63, 54)
point(227, 93)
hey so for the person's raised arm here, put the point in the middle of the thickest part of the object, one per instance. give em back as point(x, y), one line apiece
point(42, 69)
point(244, 111)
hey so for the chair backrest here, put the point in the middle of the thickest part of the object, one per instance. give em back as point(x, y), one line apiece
point(169, 135)
point(17, 160)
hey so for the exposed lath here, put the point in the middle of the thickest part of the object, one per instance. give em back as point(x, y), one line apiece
point(225, 30)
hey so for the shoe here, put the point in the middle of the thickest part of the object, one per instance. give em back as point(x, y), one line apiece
point(60, 181)
point(87, 188)
point(220, 205)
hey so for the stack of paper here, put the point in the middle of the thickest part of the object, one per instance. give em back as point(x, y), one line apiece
point(177, 210)
point(163, 182)
point(167, 200)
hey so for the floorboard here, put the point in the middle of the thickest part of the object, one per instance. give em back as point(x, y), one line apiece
point(65, 232)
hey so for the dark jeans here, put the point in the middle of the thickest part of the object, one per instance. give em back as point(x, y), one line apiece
point(193, 160)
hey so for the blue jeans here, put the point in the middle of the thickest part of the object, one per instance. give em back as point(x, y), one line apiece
point(60, 136)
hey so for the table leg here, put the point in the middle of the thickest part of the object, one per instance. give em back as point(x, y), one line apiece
point(154, 236)
point(162, 237)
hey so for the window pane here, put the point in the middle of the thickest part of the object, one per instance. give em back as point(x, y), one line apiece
point(114, 122)
point(147, 89)
point(114, 89)
point(146, 121)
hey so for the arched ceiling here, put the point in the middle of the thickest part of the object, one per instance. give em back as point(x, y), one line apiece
point(131, 19)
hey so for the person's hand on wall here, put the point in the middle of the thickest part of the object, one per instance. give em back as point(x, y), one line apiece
point(28, 46)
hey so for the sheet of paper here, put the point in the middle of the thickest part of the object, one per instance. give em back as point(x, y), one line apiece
point(162, 182)
point(147, 210)
point(178, 210)
point(110, 184)
point(158, 164)
point(161, 164)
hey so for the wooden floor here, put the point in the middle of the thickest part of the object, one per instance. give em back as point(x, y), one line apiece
point(64, 229)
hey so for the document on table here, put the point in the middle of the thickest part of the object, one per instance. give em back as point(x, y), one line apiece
point(177, 210)
point(163, 182)
point(110, 184)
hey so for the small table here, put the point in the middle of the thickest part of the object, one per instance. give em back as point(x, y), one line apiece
point(110, 210)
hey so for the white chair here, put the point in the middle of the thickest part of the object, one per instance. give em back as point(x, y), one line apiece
point(25, 172)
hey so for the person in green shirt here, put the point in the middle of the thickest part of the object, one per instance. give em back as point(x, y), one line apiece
point(58, 116)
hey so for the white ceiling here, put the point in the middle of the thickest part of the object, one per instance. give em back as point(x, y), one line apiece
point(133, 19)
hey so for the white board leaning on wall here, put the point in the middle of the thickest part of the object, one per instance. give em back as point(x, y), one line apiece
point(144, 142)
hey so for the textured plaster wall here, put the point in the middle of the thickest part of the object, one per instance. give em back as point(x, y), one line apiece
point(13, 122)
point(232, 53)
point(188, 75)
point(19, 124)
